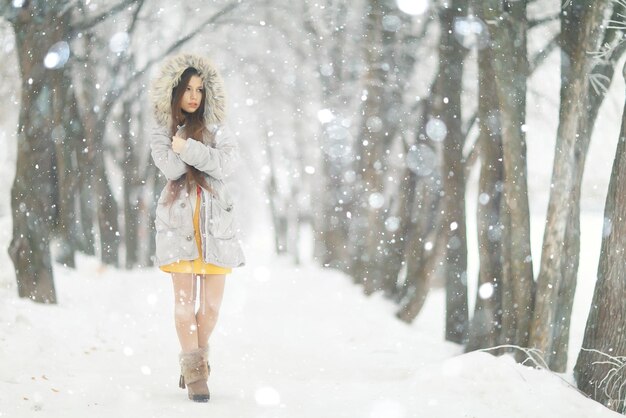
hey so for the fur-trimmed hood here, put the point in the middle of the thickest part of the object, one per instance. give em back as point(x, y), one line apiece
point(169, 76)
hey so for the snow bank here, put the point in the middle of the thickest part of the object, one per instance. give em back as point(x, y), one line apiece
point(291, 342)
point(481, 385)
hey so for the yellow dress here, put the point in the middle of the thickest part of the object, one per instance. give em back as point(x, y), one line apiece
point(197, 266)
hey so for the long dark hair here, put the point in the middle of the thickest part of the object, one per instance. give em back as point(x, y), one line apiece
point(195, 129)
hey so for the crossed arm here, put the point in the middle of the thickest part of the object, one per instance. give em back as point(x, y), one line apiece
point(217, 162)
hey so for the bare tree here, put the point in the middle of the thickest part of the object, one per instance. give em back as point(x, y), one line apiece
point(508, 26)
point(581, 32)
point(367, 230)
point(45, 95)
point(336, 62)
point(485, 327)
point(436, 232)
point(446, 106)
point(382, 255)
point(424, 243)
point(601, 368)
point(43, 194)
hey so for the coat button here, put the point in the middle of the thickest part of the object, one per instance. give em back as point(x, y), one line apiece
point(189, 238)
point(182, 205)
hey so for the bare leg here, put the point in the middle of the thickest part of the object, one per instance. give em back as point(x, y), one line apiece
point(211, 292)
point(184, 310)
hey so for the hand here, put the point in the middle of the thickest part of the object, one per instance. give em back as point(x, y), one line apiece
point(178, 144)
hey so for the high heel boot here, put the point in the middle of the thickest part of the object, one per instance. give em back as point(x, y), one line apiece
point(195, 373)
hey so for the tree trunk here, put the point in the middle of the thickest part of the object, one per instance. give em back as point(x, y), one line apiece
point(430, 238)
point(330, 222)
point(572, 232)
point(157, 182)
point(34, 187)
point(131, 193)
point(66, 137)
point(96, 176)
point(85, 211)
point(331, 225)
point(367, 233)
point(83, 220)
point(446, 106)
point(597, 371)
point(422, 250)
point(402, 213)
point(399, 228)
point(276, 201)
point(486, 323)
point(295, 218)
point(581, 31)
point(106, 206)
point(387, 248)
point(508, 27)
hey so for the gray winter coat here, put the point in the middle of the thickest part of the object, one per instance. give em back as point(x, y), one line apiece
point(174, 223)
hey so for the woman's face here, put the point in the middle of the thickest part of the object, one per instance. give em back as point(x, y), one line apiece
point(193, 95)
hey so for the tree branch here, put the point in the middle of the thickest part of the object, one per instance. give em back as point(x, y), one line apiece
point(540, 57)
point(67, 7)
point(135, 16)
point(538, 22)
point(88, 24)
point(240, 22)
point(125, 59)
point(115, 94)
point(605, 62)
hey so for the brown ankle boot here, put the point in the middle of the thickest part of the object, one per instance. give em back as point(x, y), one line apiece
point(195, 373)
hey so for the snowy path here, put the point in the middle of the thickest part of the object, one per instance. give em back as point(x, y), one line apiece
point(291, 342)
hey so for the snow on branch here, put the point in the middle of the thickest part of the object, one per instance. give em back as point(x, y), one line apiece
point(616, 24)
point(614, 383)
point(600, 83)
point(533, 355)
point(603, 55)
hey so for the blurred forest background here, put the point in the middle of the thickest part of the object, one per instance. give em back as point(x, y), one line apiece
point(378, 129)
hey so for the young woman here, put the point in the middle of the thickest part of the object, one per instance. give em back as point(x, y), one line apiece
point(196, 240)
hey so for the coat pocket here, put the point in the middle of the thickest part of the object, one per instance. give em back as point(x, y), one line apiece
point(172, 245)
point(221, 220)
point(170, 216)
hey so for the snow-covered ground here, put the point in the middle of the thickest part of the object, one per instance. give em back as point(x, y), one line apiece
point(291, 342)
